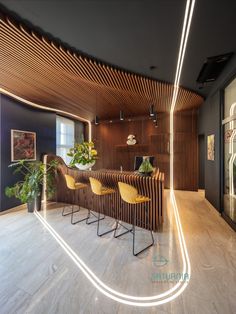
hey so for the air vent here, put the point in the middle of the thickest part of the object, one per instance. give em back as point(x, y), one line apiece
point(212, 68)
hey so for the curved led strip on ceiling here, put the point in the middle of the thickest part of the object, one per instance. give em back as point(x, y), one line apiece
point(42, 71)
point(171, 294)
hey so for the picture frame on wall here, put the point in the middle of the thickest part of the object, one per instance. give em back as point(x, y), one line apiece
point(211, 147)
point(23, 145)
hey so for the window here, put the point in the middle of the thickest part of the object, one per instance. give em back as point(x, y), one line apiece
point(65, 137)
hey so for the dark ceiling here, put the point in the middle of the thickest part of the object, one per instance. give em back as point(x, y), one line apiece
point(137, 34)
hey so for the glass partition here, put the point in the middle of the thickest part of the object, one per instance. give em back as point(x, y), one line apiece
point(229, 198)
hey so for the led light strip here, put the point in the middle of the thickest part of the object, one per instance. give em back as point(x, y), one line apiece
point(30, 103)
point(176, 290)
point(106, 290)
point(184, 38)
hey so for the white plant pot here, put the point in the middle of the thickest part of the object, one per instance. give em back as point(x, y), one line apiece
point(85, 167)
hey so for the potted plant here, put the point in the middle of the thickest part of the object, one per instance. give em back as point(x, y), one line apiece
point(29, 189)
point(146, 168)
point(83, 155)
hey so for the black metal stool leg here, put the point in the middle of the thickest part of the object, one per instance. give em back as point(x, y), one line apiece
point(108, 231)
point(134, 222)
point(77, 221)
point(89, 213)
point(119, 223)
point(69, 213)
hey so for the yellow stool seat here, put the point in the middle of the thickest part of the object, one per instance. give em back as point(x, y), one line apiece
point(79, 185)
point(141, 199)
point(98, 189)
point(130, 195)
point(72, 185)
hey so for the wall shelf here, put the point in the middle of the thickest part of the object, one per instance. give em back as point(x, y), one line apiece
point(132, 148)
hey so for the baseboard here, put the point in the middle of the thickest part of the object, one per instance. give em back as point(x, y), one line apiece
point(13, 209)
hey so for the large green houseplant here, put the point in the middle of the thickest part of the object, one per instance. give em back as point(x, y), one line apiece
point(34, 175)
point(83, 156)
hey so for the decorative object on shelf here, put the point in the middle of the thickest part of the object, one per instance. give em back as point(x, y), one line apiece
point(131, 140)
point(146, 168)
point(211, 147)
point(23, 145)
point(83, 155)
point(29, 189)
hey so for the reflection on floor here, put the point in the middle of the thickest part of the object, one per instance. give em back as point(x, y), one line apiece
point(230, 206)
point(38, 277)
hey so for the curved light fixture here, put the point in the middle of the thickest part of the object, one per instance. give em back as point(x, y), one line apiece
point(32, 104)
point(179, 287)
point(175, 291)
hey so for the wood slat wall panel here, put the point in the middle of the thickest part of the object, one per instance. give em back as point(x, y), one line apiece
point(110, 140)
point(43, 71)
point(152, 187)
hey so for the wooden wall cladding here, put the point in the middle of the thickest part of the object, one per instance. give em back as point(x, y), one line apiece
point(110, 140)
point(50, 74)
point(153, 187)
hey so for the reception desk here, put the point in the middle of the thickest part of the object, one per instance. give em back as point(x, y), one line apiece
point(153, 187)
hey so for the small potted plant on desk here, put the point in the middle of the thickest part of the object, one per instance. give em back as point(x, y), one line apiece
point(83, 155)
point(29, 189)
point(146, 169)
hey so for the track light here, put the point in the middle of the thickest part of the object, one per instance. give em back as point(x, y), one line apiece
point(151, 110)
point(121, 115)
point(96, 120)
point(155, 117)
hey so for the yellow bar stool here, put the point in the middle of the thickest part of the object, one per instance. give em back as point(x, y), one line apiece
point(73, 186)
point(101, 192)
point(129, 194)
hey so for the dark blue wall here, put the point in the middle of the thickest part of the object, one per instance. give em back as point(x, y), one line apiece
point(15, 115)
point(209, 123)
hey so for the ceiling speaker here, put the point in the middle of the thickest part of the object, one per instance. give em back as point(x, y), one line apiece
point(212, 68)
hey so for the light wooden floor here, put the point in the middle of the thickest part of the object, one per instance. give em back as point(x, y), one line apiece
point(37, 276)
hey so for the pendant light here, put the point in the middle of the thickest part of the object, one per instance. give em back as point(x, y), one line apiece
point(96, 120)
point(155, 117)
point(151, 110)
point(121, 115)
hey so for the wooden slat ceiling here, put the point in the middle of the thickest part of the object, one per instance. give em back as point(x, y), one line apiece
point(44, 72)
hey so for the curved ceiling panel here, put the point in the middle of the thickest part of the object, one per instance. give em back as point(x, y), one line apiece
point(44, 72)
